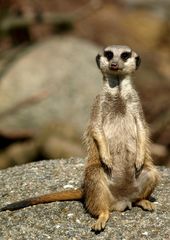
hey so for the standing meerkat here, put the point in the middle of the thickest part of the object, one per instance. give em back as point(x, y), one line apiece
point(119, 169)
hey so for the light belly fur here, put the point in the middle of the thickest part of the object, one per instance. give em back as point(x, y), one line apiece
point(121, 135)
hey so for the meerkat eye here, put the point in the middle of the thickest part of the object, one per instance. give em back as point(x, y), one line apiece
point(126, 55)
point(108, 55)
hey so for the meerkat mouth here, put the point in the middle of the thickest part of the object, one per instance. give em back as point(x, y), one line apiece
point(115, 70)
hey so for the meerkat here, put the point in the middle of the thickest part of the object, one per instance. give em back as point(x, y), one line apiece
point(119, 171)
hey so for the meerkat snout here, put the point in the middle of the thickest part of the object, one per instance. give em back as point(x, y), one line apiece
point(117, 59)
point(113, 66)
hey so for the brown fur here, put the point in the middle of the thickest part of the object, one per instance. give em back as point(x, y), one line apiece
point(119, 169)
point(52, 197)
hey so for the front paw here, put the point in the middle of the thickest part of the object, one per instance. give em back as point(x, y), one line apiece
point(138, 167)
point(107, 160)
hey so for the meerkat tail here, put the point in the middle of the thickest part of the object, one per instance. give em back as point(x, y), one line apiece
point(68, 195)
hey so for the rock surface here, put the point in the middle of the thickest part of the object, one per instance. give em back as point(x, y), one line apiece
point(68, 220)
point(63, 70)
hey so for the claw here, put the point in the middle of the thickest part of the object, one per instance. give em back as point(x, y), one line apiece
point(107, 161)
point(138, 169)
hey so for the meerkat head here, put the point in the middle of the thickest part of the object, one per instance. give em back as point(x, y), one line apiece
point(117, 59)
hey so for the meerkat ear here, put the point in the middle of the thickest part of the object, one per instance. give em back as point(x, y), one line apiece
point(138, 61)
point(98, 60)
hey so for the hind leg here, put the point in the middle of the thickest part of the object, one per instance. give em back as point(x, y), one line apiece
point(99, 206)
point(147, 181)
point(97, 196)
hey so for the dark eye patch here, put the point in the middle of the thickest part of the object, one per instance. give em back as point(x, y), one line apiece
point(108, 55)
point(125, 55)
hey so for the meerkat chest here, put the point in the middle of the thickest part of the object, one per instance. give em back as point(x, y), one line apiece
point(120, 127)
point(121, 131)
point(119, 112)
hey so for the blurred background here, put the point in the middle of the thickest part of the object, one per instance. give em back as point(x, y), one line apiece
point(48, 75)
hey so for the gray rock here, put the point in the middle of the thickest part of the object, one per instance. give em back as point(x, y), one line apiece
point(68, 220)
point(64, 68)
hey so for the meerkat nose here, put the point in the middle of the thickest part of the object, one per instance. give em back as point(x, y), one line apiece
point(114, 66)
